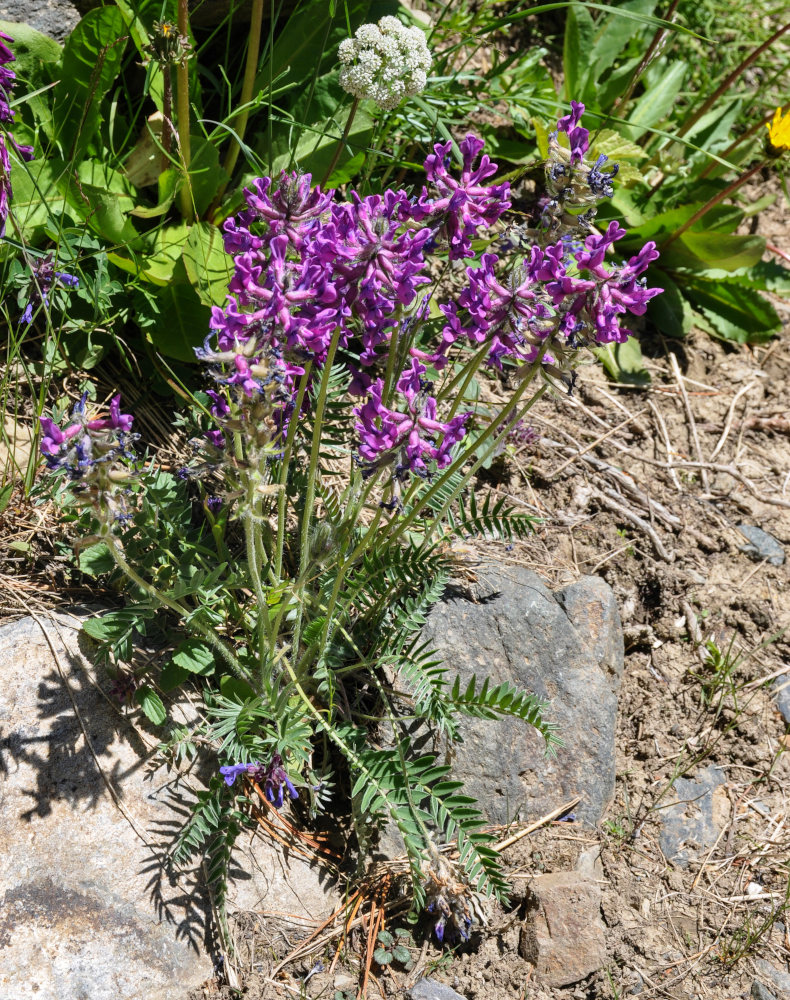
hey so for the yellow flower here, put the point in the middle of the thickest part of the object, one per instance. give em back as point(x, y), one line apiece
point(779, 130)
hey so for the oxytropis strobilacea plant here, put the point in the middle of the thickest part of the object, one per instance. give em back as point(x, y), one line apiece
point(7, 144)
point(337, 464)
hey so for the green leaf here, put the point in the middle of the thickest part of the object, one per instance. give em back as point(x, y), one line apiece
point(235, 689)
point(657, 101)
point(577, 45)
point(195, 656)
point(38, 199)
point(174, 318)
point(401, 954)
point(669, 311)
point(171, 676)
point(151, 704)
point(92, 59)
point(764, 276)
point(382, 956)
point(737, 313)
point(7, 491)
point(109, 627)
point(96, 559)
point(208, 266)
point(701, 251)
point(206, 175)
point(612, 34)
point(32, 53)
point(624, 361)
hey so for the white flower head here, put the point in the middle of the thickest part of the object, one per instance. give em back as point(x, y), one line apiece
point(384, 62)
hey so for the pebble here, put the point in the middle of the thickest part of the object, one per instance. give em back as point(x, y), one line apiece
point(761, 545)
point(430, 989)
point(759, 992)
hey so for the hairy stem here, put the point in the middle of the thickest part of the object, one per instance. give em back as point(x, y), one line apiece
point(182, 97)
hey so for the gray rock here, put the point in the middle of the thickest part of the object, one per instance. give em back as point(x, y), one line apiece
point(430, 989)
point(85, 907)
point(780, 981)
point(695, 818)
point(563, 934)
point(56, 18)
point(761, 545)
point(759, 992)
point(567, 649)
point(782, 690)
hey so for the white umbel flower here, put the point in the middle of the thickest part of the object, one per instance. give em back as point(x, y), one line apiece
point(384, 62)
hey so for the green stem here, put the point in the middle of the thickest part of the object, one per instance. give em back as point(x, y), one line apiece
point(247, 87)
point(340, 142)
point(502, 419)
point(182, 98)
point(206, 631)
point(312, 476)
point(281, 499)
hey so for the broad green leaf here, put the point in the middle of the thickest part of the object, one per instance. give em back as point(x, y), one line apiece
point(96, 559)
point(764, 276)
point(159, 264)
point(669, 312)
point(206, 176)
point(151, 704)
point(657, 101)
point(316, 146)
point(110, 626)
point(195, 656)
point(208, 266)
point(173, 318)
point(32, 52)
point(38, 200)
point(171, 676)
point(624, 361)
point(613, 33)
point(736, 312)
point(235, 689)
point(577, 45)
point(700, 251)
point(100, 196)
point(6, 492)
point(661, 226)
point(619, 151)
point(92, 59)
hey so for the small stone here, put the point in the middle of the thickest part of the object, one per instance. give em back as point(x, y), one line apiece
point(780, 981)
point(759, 992)
point(563, 934)
point(761, 545)
point(695, 818)
point(56, 18)
point(430, 989)
point(782, 691)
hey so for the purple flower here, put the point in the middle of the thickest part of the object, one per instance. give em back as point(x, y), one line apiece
point(578, 136)
point(42, 277)
point(465, 205)
point(85, 443)
point(7, 79)
point(407, 440)
point(273, 777)
point(231, 771)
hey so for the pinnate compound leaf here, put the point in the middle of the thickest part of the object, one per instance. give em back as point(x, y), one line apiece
point(151, 704)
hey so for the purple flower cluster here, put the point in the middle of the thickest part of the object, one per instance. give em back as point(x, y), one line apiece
point(95, 453)
point(42, 277)
point(406, 439)
point(7, 78)
point(273, 777)
point(308, 268)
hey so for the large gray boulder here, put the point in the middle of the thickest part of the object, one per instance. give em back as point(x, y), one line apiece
point(567, 648)
point(85, 908)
